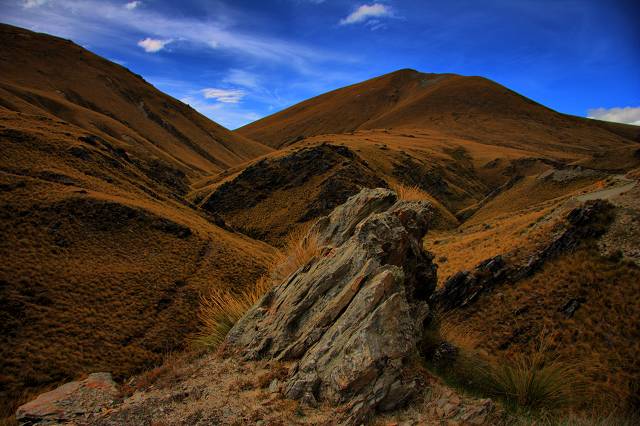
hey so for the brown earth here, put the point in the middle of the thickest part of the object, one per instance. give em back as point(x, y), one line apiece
point(103, 260)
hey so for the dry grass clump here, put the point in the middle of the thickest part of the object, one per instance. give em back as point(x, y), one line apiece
point(410, 192)
point(537, 380)
point(301, 245)
point(529, 381)
point(444, 219)
point(221, 309)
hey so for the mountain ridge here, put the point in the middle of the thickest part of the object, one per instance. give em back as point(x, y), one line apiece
point(410, 99)
point(107, 99)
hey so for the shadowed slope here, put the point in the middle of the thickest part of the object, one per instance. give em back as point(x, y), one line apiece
point(46, 75)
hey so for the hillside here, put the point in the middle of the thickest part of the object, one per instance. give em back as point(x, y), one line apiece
point(103, 260)
point(473, 108)
point(400, 217)
point(45, 75)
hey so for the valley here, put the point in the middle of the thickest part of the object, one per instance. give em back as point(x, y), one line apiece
point(123, 209)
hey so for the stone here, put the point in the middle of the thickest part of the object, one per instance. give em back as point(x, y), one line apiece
point(464, 287)
point(70, 401)
point(309, 400)
point(351, 318)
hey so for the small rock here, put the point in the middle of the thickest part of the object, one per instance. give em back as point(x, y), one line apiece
point(309, 400)
point(69, 401)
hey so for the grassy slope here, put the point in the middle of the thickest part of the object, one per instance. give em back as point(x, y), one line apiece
point(46, 75)
point(102, 259)
point(473, 108)
point(101, 265)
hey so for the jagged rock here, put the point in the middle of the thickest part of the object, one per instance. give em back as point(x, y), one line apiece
point(585, 222)
point(352, 318)
point(464, 287)
point(70, 401)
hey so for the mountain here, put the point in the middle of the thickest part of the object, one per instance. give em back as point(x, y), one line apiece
point(131, 226)
point(103, 260)
point(462, 140)
point(45, 75)
point(468, 107)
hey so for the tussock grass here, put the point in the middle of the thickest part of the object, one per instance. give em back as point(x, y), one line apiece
point(444, 219)
point(532, 381)
point(537, 380)
point(301, 245)
point(221, 309)
point(410, 192)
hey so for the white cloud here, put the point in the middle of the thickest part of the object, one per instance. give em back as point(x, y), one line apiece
point(366, 12)
point(242, 78)
point(227, 96)
point(93, 22)
point(629, 115)
point(132, 5)
point(153, 45)
point(28, 4)
point(230, 116)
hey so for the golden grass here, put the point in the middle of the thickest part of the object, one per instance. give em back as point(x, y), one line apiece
point(497, 356)
point(443, 220)
point(535, 380)
point(410, 192)
point(300, 246)
point(220, 309)
point(527, 381)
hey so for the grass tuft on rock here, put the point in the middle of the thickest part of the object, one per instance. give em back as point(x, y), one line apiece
point(221, 309)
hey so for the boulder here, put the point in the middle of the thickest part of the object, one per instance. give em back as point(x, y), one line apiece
point(70, 401)
point(351, 318)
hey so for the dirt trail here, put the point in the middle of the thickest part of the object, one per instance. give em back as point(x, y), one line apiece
point(611, 192)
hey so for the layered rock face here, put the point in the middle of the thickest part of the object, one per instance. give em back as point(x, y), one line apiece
point(350, 318)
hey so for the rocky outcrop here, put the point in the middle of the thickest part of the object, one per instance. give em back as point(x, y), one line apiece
point(582, 224)
point(351, 318)
point(70, 402)
point(464, 287)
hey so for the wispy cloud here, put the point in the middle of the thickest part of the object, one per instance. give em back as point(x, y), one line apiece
point(242, 78)
point(132, 5)
point(230, 116)
point(89, 21)
point(153, 45)
point(28, 4)
point(628, 115)
point(367, 12)
point(227, 96)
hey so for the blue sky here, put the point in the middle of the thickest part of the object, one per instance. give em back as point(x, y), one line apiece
point(237, 61)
